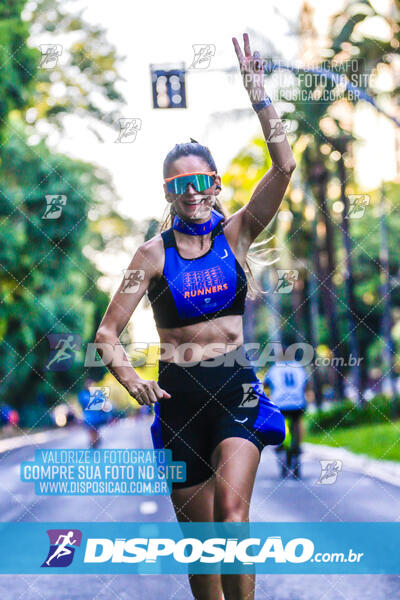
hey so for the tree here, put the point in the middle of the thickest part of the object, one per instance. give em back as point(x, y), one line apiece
point(18, 62)
point(48, 282)
point(361, 53)
point(85, 80)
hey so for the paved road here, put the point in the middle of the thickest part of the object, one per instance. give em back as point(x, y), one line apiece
point(353, 497)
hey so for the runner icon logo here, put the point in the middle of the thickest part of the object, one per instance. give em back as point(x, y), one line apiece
point(329, 471)
point(62, 547)
point(250, 395)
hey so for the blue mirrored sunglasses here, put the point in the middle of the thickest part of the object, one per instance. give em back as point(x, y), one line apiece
point(200, 181)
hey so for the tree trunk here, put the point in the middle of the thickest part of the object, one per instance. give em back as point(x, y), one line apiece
point(273, 302)
point(349, 285)
point(388, 349)
point(314, 313)
point(328, 291)
point(319, 177)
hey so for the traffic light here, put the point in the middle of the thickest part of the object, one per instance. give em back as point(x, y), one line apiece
point(168, 87)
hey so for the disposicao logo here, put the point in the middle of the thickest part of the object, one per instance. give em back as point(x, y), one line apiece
point(62, 547)
point(189, 550)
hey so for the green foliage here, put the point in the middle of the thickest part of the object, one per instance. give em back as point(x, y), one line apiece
point(368, 293)
point(244, 172)
point(379, 440)
point(347, 31)
point(47, 283)
point(87, 67)
point(18, 62)
point(319, 130)
point(369, 49)
point(346, 414)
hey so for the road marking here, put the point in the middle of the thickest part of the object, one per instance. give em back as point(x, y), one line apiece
point(291, 483)
point(29, 439)
point(148, 507)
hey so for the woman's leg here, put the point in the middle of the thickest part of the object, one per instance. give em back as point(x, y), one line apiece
point(196, 503)
point(235, 461)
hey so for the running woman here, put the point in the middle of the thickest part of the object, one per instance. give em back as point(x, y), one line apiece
point(210, 409)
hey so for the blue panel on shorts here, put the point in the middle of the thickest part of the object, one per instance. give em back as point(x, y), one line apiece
point(270, 421)
point(156, 428)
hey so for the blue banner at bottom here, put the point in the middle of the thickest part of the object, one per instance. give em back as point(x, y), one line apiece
point(161, 548)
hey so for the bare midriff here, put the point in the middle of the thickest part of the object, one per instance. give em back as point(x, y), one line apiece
point(207, 339)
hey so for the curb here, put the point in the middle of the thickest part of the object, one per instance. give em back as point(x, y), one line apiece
point(29, 439)
point(385, 470)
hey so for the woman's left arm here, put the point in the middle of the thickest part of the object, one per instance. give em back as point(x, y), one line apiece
point(266, 198)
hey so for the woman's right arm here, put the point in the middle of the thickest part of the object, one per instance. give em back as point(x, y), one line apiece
point(144, 266)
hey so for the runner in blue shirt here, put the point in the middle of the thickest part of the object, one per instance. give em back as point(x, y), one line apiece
point(287, 383)
point(94, 415)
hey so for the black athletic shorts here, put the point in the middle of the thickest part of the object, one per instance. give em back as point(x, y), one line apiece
point(293, 414)
point(212, 400)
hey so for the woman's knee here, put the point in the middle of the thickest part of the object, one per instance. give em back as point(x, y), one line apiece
point(231, 510)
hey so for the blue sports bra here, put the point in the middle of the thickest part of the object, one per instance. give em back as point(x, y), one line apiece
point(192, 290)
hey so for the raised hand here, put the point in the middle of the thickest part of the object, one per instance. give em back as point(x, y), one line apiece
point(252, 69)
